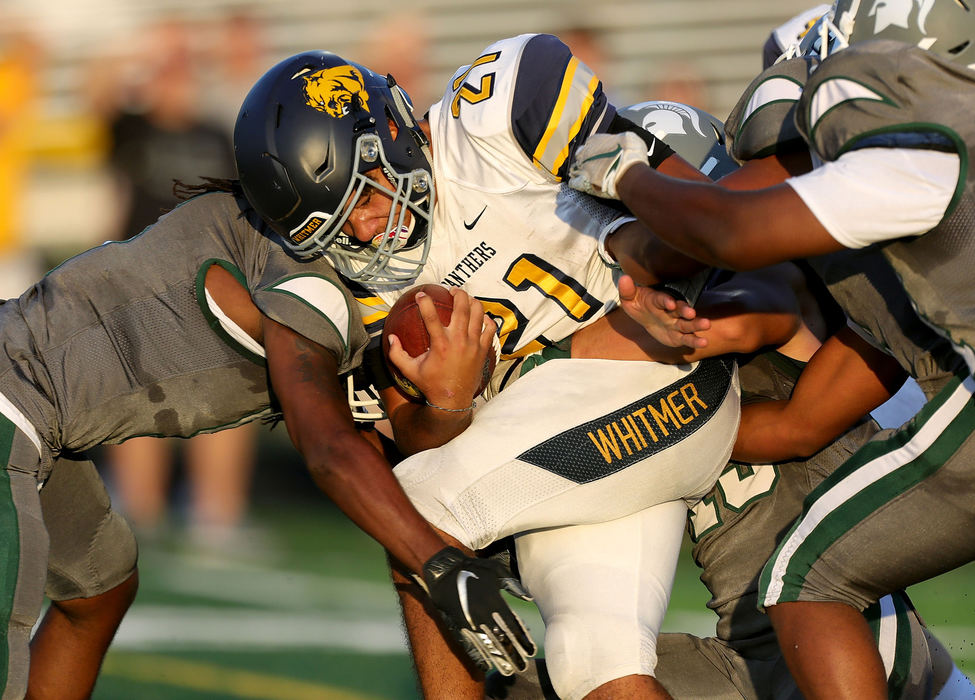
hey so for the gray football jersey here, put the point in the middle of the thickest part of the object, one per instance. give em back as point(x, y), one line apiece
point(121, 340)
point(865, 285)
point(863, 282)
point(888, 94)
point(763, 502)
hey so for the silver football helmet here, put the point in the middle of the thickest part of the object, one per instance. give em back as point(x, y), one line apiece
point(786, 36)
point(944, 27)
point(695, 135)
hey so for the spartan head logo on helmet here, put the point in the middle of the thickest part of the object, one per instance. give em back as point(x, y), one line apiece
point(332, 90)
point(671, 118)
point(897, 13)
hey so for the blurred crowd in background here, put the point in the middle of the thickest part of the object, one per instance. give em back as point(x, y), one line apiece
point(155, 101)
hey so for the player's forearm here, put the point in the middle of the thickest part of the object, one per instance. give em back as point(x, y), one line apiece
point(644, 255)
point(685, 215)
point(646, 258)
point(745, 321)
point(766, 172)
point(734, 230)
point(360, 482)
point(675, 166)
point(766, 434)
point(845, 380)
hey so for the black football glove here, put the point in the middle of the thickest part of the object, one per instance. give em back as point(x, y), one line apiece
point(467, 593)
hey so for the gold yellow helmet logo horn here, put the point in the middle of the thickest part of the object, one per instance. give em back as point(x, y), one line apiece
point(332, 90)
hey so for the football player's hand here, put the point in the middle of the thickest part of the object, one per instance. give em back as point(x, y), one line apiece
point(467, 593)
point(601, 161)
point(670, 321)
point(450, 373)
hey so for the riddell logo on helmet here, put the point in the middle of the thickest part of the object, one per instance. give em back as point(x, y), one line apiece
point(332, 90)
point(307, 229)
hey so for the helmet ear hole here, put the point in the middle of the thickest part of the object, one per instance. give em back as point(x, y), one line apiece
point(391, 123)
point(322, 170)
point(958, 50)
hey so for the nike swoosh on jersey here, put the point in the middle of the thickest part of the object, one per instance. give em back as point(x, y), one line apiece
point(477, 218)
point(462, 594)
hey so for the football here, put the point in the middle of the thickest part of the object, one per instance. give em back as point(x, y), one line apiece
point(405, 322)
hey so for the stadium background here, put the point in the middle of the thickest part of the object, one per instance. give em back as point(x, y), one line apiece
point(300, 609)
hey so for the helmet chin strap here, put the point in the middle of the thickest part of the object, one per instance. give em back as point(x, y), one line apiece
point(844, 23)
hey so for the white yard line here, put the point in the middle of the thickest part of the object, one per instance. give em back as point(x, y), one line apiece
point(266, 587)
point(170, 628)
point(300, 609)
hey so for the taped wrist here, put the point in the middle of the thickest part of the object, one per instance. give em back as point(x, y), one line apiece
point(605, 233)
point(657, 151)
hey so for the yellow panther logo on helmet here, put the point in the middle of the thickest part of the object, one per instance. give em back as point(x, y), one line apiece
point(332, 90)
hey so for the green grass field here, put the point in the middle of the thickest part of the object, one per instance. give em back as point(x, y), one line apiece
point(303, 611)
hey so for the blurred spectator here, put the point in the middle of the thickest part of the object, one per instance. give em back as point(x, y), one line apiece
point(20, 59)
point(587, 45)
point(158, 136)
point(236, 57)
point(158, 133)
point(681, 81)
point(399, 44)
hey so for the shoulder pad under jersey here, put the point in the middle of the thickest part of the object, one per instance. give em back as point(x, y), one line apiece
point(886, 94)
point(763, 121)
point(554, 100)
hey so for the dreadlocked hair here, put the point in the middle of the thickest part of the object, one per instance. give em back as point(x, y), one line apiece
point(184, 191)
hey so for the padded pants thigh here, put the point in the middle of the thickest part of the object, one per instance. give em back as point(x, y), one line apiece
point(900, 511)
point(92, 547)
point(602, 591)
point(579, 441)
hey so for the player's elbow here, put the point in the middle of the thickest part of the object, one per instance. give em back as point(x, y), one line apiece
point(726, 248)
point(804, 447)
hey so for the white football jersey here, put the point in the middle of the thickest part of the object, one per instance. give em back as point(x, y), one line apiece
point(505, 227)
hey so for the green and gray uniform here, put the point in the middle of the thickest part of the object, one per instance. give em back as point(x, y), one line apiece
point(122, 341)
point(850, 545)
point(762, 123)
point(734, 530)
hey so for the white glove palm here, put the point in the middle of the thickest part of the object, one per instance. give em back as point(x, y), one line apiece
point(601, 161)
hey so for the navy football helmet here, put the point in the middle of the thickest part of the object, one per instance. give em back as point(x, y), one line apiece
point(308, 134)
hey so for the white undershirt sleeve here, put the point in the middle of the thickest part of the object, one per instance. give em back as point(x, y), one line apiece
point(877, 194)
